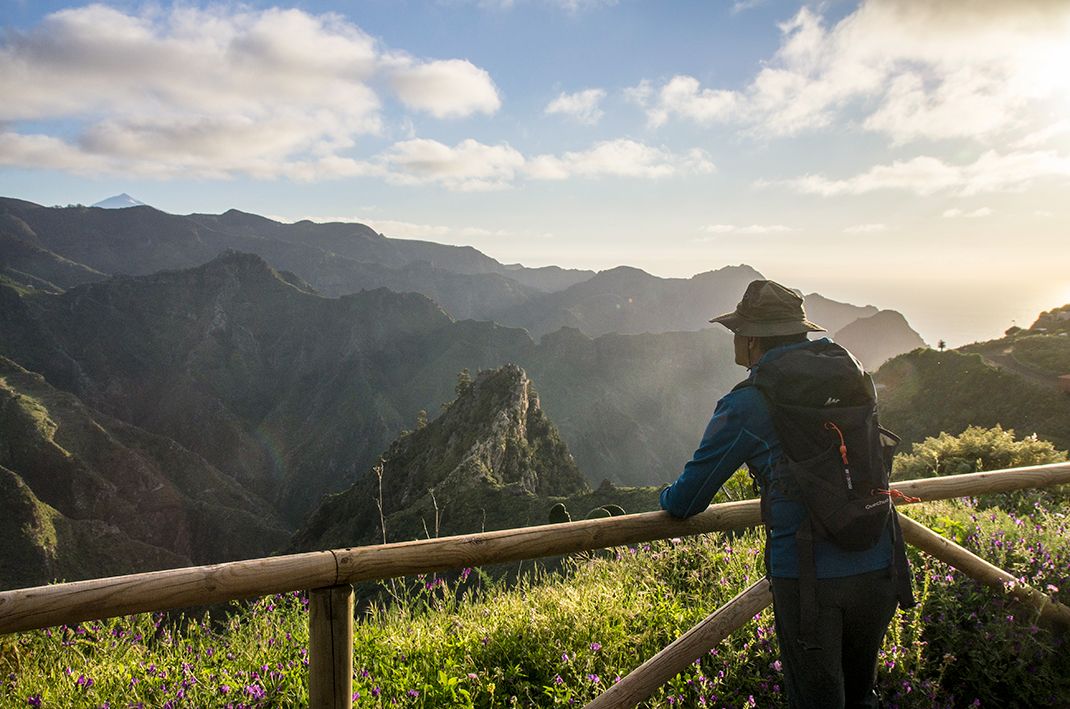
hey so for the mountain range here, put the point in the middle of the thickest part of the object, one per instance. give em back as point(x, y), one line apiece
point(173, 381)
point(338, 258)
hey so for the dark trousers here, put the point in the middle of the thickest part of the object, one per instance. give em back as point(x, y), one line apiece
point(853, 615)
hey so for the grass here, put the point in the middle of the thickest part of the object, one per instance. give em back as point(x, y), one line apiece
point(559, 638)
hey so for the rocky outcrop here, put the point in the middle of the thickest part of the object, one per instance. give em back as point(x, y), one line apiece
point(489, 461)
point(878, 338)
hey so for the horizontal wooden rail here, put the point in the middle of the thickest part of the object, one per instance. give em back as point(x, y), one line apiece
point(70, 603)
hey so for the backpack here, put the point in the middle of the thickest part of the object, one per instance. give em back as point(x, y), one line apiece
point(836, 460)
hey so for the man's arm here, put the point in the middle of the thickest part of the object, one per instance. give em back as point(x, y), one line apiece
point(726, 445)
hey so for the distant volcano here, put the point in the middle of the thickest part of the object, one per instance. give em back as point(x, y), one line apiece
point(119, 201)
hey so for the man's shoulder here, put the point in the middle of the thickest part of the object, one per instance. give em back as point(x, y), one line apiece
point(744, 398)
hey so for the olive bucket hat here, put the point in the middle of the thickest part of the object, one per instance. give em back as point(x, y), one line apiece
point(768, 309)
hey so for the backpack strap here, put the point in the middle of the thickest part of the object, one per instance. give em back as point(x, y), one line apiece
point(804, 546)
point(901, 575)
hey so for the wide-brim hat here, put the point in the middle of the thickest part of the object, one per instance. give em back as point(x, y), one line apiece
point(768, 309)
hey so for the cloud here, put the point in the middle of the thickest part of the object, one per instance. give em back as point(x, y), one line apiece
point(926, 175)
point(955, 213)
point(743, 5)
point(619, 158)
point(752, 229)
point(682, 96)
point(570, 6)
point(908, 69)
point(581, 106)
point(216, 91)
point(865, 228)
point(469, 166)
point(473, 166)
point(446, 89)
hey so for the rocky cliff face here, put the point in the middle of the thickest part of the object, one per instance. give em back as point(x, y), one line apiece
point(484, 463)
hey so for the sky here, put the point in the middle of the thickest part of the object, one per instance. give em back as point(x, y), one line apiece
point(902, 153)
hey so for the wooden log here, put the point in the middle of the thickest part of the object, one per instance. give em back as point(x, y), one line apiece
point(70, 603)
point(974, 566)
point(644, 680)
point(949, 486)
point(44, 606)
point(425, 555)
point(330, 648)
point(383, 561)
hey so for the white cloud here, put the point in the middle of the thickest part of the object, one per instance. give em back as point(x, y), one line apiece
point(470, 166)
point(570, 6)
point(473, 166)
point(909, 69)
point(619, 158)
point(1044, 136)
point(682, 96)
point(743, 5)
point(751, 229)
point(44, 151)
point(213, 92)
point(446, 89)
point(925, 175)
point(582, 106)
point(955, 213)
point(866, 228)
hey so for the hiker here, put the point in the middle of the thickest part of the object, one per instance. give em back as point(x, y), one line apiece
point(808, 400)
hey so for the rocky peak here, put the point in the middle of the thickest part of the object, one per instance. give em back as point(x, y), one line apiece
point(877, 338)
point(493, 443)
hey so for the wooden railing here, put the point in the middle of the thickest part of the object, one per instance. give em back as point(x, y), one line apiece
point(329, 576)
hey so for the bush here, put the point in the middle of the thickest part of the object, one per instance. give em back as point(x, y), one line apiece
point(978, 449)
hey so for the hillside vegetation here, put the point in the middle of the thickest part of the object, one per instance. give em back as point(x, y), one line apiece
point(559, 639)
point(927, 392)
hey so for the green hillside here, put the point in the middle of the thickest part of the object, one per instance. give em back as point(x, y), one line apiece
point(927, 392)
point(89, 495)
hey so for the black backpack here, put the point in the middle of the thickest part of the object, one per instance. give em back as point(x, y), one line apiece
point(837, 459)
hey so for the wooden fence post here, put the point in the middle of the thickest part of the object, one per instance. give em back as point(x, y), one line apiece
point(675, 658)
point(330, 647)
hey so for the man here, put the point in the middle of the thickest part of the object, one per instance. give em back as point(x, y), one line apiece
point(834, 663)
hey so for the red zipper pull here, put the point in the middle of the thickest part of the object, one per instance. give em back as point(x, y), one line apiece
point(843, 444)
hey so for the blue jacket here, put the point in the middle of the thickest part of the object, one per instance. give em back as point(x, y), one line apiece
point(741, 432)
